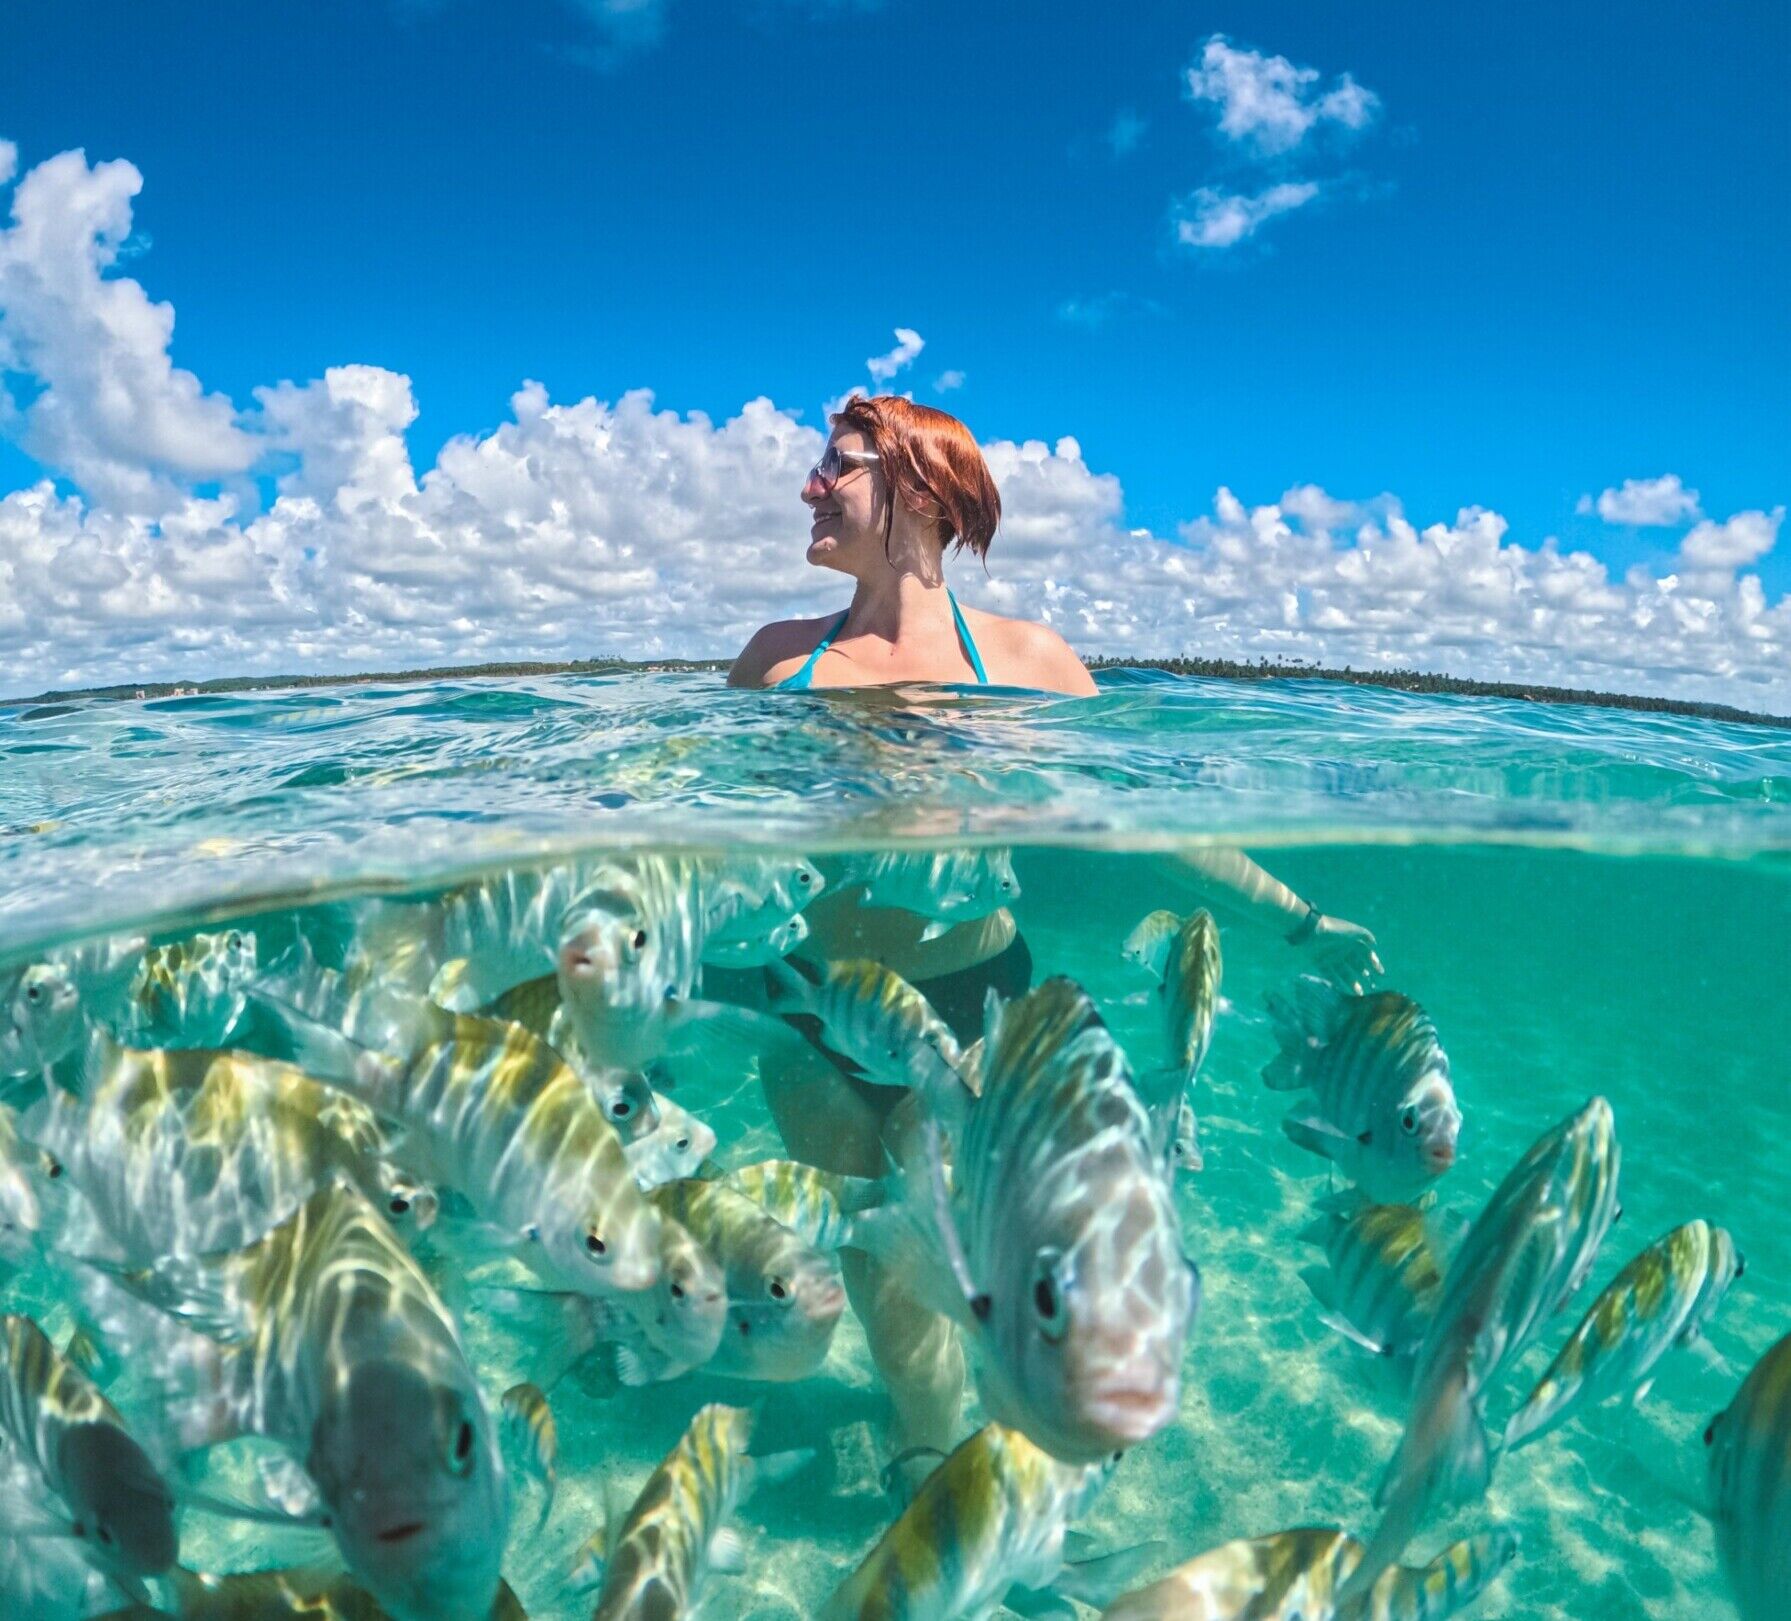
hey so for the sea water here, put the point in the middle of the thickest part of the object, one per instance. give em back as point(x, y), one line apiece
point(1585, 901)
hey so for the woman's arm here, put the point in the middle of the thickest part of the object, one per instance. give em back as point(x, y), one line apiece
point(1231, 881)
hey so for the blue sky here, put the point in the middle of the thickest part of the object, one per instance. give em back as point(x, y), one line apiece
point(1545, 254)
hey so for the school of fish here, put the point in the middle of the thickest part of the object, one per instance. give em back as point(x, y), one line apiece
point(273, 1169)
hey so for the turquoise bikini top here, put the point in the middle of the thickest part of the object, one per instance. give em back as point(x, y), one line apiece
point(805, 676)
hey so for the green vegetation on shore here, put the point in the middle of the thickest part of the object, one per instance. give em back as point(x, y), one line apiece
point(1212, 669)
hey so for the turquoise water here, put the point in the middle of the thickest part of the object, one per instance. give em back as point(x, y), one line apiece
point(1585, 901)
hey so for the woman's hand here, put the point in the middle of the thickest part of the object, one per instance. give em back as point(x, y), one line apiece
point(1344, 953)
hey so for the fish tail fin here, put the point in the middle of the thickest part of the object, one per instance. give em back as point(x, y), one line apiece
point(1301, 1023)
point(1314, 1135)
point(1098, 1580)
point(1318, 1279)
point(788, 989)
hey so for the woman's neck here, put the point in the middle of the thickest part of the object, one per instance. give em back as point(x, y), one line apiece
point(895, 601)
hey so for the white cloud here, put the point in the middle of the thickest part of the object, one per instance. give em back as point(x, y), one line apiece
point(9, 161)
point(909, 344)
point(1645, 502)
point(113, 412)
point(1212, 218)
point(946, 381)
point(1267, 103)
point(620, 527)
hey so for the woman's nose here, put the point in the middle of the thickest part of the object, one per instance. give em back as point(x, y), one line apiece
point(813, 489)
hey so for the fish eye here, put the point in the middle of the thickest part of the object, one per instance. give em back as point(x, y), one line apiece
point(233, 941)
point(1710, 1433)
point(778, 1290)
point(463, 1448)
point(677, 1291)
point(595, 1245)
point(804, 879)
point(34, 993)
point(1047, 1296)
point(398, 1205)
point(621, 1108)
point(1408, 1122)
point(684, 1142)
point(640, 940)
point(53, 1169)
point(103, 1534)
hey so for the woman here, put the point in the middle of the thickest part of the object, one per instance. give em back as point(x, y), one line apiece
point(898, 484)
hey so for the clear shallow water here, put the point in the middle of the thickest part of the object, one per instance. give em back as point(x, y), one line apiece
point(1584, 900)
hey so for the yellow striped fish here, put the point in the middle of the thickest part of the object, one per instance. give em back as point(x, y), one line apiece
point(990, 1518)
point(677, 1533)
point(784, 1296)
point(53, 1419)
point(490, 1109)
point(190, 992)
point(1188, 992)
point(1062, 1255)
point(184, 1151)
point(1384, 1109)
point(875, 1019)
point(274, 1595)
point(1295, 1576)
point(329, 1339)
point(1748, 1449)
point(1661, 1299)
point(1525, 1255)
point(818, 1205)
point(947, 886)
point(1384, 1275)
point(533, 1436)
point(1148, 944)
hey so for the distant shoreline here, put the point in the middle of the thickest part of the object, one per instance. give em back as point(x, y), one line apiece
point(1212, 669)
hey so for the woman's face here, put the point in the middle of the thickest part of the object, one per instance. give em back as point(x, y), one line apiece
point(847, 532)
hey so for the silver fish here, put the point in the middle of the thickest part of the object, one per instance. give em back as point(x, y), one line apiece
point(1184, 1142)
point(1062, 1236)
point(328, 1339)
point(678, 1530)
point(33, 1196)
point(1189, 996)
point(492, 1110)
point(754, 909)
point(54, 1419)
point(1748, 1447)
point(875, 1019)
point(40, 1018)
point(1147, 946)
point(1385, 1111)
point(784, 1296)
point(946, 886)
point(991, 1518)
point(1661, 1299)
point(1384, 1276)
point(1296, 1575)
point(1523, 1258)
point(771, 943)
point(189, 993)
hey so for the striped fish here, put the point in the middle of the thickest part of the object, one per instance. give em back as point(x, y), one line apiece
point(1748, 1449)
point(773, 941)
point(1296, 1575)
point(663, 1141)
point(1148, 944)
point(532, 1435)
point(630, 954)
point(874, 1019)
point(190, 992)
point(1661, 1299)
point(1190, 993)
point(946, 886)
point(329, 1340)
point(40, 1018)
point(33, 1196)
point(1526, 1254)
point(992, 1517)
point(1063, 1241)
point(678, 1530)
point(1384, 1273)
point(754, 909)
point(492, 1110)
point(784, 1295)
point(54, 1419)
point(1384, 1109)
point(663, 1332)
point(184, 1151)
point(815, 1204)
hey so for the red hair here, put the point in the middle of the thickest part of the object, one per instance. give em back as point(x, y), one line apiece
point(932, 464)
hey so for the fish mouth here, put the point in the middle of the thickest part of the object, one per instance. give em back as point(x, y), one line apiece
point(1132, 1410)
point(400, 1533)
point(1440, 1156)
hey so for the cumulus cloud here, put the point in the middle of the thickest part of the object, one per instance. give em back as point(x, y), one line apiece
point(1212, 218)
point(909, 344)
point(1645, 502)
point(594, 526)
point(946, 381)
point(111, 409)
point(1269, 105)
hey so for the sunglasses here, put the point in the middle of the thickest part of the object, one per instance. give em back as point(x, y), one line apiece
point(834, 463)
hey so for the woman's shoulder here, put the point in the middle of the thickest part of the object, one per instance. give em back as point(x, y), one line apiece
point(1024, 653)
point(778, 650)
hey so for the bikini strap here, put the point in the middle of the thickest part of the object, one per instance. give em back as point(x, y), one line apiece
point(803, 676)
point(970, 651)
